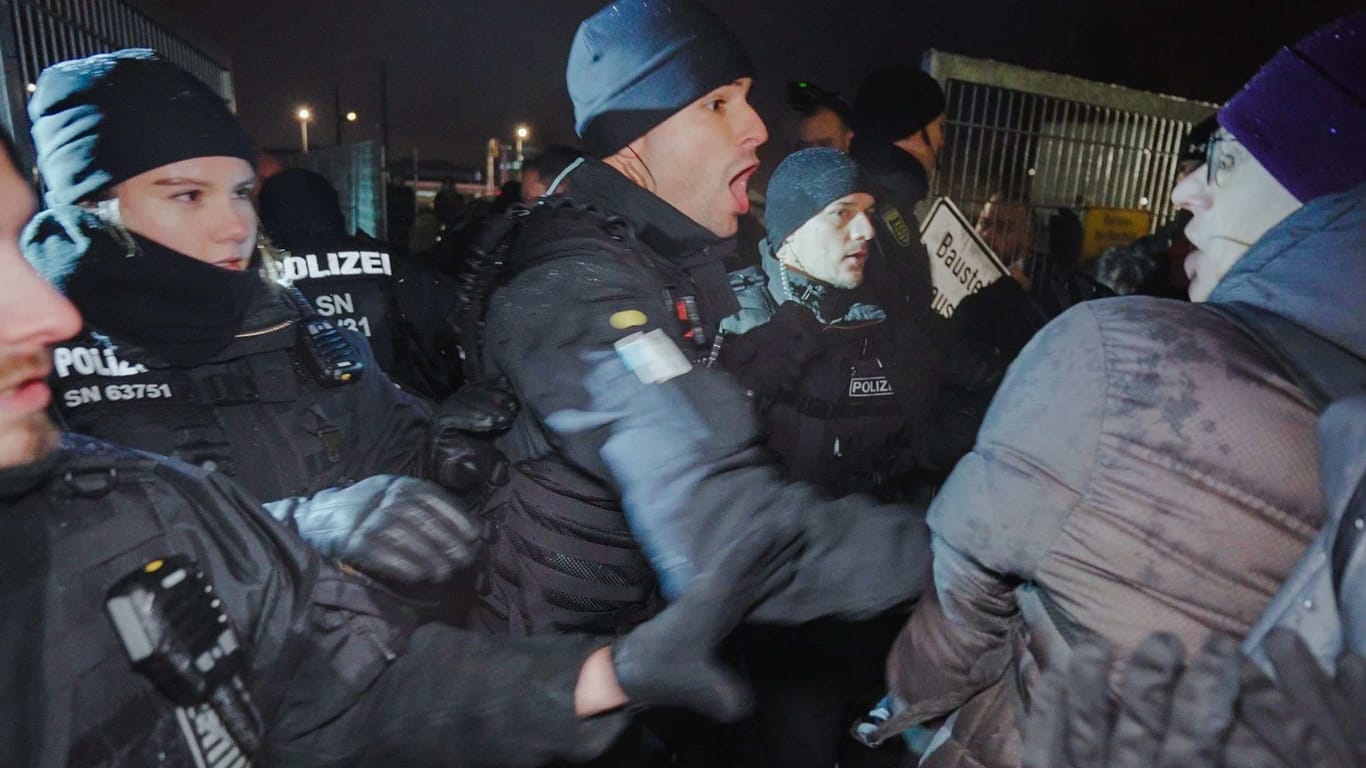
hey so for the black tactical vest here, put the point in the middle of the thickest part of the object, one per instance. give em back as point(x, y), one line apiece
point(255, 413)
point(839, 426)
point(353, 287)
point(99, 519)
point(561, 555)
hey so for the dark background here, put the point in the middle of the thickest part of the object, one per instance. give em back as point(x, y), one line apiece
point(462, 71)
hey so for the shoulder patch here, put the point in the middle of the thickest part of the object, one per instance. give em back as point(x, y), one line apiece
point(900, 230)
point(653, 357)
point(627, 318)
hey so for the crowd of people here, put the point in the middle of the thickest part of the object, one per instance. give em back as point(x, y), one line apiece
point(623, 475)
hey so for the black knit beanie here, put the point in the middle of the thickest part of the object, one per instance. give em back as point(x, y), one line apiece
point(803, 184)
point(104, 119)
point(1195, 144)
point(896, 102)
point(298, 206)
point(636, 62)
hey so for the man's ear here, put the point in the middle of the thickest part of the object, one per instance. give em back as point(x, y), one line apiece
point(629, 162)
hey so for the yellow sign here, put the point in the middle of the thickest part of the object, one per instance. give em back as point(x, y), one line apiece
point(1105, 227)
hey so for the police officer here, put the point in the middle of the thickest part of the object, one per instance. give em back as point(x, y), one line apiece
point(898, 126)
point(188, 350)
point(843, 402)
point(399, 305)
point(632, 457)
point(845, 413)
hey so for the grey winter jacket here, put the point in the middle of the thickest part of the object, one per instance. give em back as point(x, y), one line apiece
point(1331, 620)
point(1145, 466)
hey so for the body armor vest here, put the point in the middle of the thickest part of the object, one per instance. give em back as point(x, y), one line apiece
point(562, 557)
point(261, 415)
point(94, 522)
point(838, 427)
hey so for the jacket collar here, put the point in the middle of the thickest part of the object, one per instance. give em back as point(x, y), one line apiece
point(1310, 269)
point(668, 231)
point(153, 304)
point(663, 228)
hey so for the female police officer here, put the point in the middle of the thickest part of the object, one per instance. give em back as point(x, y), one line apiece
point(191, 348)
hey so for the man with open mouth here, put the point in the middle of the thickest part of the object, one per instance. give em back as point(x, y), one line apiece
point(633, 458)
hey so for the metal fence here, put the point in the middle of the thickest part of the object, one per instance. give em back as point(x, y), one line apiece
point(35, 34)
point(1055, 145)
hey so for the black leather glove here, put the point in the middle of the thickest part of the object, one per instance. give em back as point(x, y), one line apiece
point(462, 455)
point(486, 406)
point(1166, 715)
point(1304, 718)
point(671, 659)
point(768, 359)
point(401, 529)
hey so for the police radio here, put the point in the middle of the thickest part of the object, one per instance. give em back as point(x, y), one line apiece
point(176, 633)
point(333, 359)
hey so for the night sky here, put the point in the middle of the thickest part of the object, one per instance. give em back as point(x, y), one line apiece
point(464, 70)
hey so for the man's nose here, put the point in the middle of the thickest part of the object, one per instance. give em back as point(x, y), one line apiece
point(33, 312)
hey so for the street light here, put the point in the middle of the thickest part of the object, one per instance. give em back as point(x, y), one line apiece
point(305, 115)
point(351, 117)
point(522, 133)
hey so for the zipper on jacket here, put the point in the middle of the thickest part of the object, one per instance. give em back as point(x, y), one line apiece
point(264, 331)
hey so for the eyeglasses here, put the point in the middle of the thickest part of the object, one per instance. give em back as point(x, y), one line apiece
point(1216, 162)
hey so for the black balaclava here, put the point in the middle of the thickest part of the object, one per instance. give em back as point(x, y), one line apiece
point(181, 310)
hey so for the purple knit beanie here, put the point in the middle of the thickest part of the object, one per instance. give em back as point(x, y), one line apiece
point(1303, 116)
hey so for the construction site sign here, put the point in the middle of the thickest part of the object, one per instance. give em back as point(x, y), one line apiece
point(960, 263)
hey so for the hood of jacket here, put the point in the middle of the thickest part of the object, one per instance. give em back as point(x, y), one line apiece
point(1310, 269)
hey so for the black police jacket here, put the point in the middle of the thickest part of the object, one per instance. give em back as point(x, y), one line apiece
point(607, 338)
point(257, 409)
point(850, 417)
point(969, 366)
point(400, 306)
point(334, 667)
point(900, 182)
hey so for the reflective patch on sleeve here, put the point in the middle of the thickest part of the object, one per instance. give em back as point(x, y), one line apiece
point(653, 356)
point(628, 318)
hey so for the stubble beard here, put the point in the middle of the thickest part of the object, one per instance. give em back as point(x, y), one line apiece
point(27, 439)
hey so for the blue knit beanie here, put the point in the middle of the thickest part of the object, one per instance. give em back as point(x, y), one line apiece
point(803, 184)
point(106, 118)
point(636, 62)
